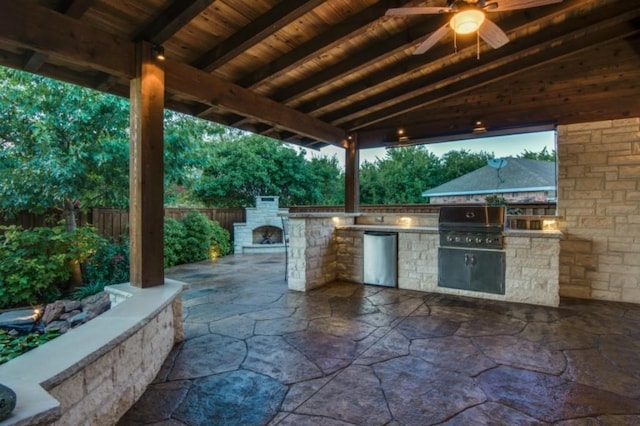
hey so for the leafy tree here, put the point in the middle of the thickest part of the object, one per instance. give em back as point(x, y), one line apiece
point(400, 177)
point(60, 145)
point(543, 155)
point(239, 170)
point(459, 163)
point(329, 178)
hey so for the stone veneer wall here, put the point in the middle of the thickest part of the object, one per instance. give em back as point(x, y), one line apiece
point(312, 251)
point(93, 374)
point(532, 269)
point(599, 198)
point(418, 261)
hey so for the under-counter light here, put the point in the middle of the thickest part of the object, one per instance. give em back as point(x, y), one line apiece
point(405, 221)
point(467, 21)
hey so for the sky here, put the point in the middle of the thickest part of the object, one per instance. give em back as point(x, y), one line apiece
point(500, 146)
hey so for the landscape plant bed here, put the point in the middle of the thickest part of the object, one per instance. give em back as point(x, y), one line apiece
point(24, 329)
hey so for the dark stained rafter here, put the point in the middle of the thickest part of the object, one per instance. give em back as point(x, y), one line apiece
point(314, 72)
point(281, 15)
point(72, 8)
point(178, 14)
point(316, 46)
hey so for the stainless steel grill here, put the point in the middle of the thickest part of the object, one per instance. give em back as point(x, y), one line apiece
point(470, 256)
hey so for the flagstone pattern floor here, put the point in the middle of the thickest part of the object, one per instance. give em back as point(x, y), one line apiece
point(256, 353)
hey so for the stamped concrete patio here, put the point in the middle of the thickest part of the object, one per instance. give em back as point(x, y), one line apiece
point(258, 354)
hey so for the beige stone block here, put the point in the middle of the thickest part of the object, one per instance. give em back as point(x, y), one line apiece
point(575, 246)
point(70, 391)
point(575, 138)
point(580, 127)
point(589, 184)
point(629, 171)
point(610, 259)
point(624, 159)
point(623, 122)
point(631, 295)
point(596, 222)
point(611, 295)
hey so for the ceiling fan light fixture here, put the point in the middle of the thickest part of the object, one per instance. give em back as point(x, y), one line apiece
point(467, 21)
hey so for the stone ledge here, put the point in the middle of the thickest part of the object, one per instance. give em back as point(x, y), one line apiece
point(32, 374)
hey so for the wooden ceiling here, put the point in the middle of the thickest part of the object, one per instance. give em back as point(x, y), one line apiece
point(316, 72)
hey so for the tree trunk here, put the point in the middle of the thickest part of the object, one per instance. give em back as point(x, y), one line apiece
point(70, 226)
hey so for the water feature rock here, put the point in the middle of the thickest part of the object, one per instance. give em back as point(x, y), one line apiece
point(7, 401)
point(52, 311)
point(19, 319)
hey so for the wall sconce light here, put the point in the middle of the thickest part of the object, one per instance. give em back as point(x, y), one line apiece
point(158, 52)
point(467, 21)
point(479, 127)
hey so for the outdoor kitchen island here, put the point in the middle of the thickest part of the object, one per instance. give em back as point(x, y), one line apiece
point(325, 247)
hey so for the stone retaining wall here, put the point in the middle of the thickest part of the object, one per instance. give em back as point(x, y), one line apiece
point(93, 374)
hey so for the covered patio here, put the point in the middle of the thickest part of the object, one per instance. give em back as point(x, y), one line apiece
point(337, 72)
point(257, 354)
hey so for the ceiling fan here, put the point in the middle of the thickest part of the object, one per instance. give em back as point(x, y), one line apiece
point(469, 16)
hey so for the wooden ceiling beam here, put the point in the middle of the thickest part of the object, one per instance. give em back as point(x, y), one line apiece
point(39, 29)
point(279, 16)
point(178, 14)
point(73, 9)
point(316, 46)
point(191, 83)
point(525, 56)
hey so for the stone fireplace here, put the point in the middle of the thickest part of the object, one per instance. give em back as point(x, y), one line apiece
point(262, 230)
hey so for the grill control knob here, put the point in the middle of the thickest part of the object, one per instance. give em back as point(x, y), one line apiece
point(490, 240)
point(479, 240)
point(469, 240)
point(450, 239)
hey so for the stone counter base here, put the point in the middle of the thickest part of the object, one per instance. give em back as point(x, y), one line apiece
point(532, 267)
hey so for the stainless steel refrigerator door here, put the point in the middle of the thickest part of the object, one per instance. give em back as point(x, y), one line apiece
point(380, 258)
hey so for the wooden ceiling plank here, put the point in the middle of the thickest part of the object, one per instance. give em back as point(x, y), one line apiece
point(39, 29)
point(317, 45)
point(187, 81)
point(178, 14)
point(525, 57)
point(371, 55)
point(267, 24)
point(491, 76)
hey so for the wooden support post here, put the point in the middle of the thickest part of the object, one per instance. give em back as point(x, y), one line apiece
point(352, 176)
point(146, 171)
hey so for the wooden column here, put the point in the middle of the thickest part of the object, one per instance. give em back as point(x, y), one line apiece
point(146, 170)
point(352, 176)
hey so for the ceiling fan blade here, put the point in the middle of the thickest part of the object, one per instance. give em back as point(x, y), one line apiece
point(401, 11)
point(492, 34)
point(503, 5)
point(431, 40)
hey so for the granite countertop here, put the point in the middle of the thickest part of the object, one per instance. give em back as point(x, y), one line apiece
point(391, 228)
point(434, 230)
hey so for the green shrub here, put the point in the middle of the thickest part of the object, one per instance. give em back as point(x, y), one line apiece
point(174, 236)
point(109, 264)
point(35, 263)
point(194, 238)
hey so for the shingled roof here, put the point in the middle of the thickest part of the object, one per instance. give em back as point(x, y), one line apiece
point(515, 175)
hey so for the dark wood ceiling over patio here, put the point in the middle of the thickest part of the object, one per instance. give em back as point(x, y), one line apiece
point(314, 72)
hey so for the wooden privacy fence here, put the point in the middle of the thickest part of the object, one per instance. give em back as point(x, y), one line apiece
point(113, 223)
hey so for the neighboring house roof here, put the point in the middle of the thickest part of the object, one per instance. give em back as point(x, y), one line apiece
point(517, 175)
